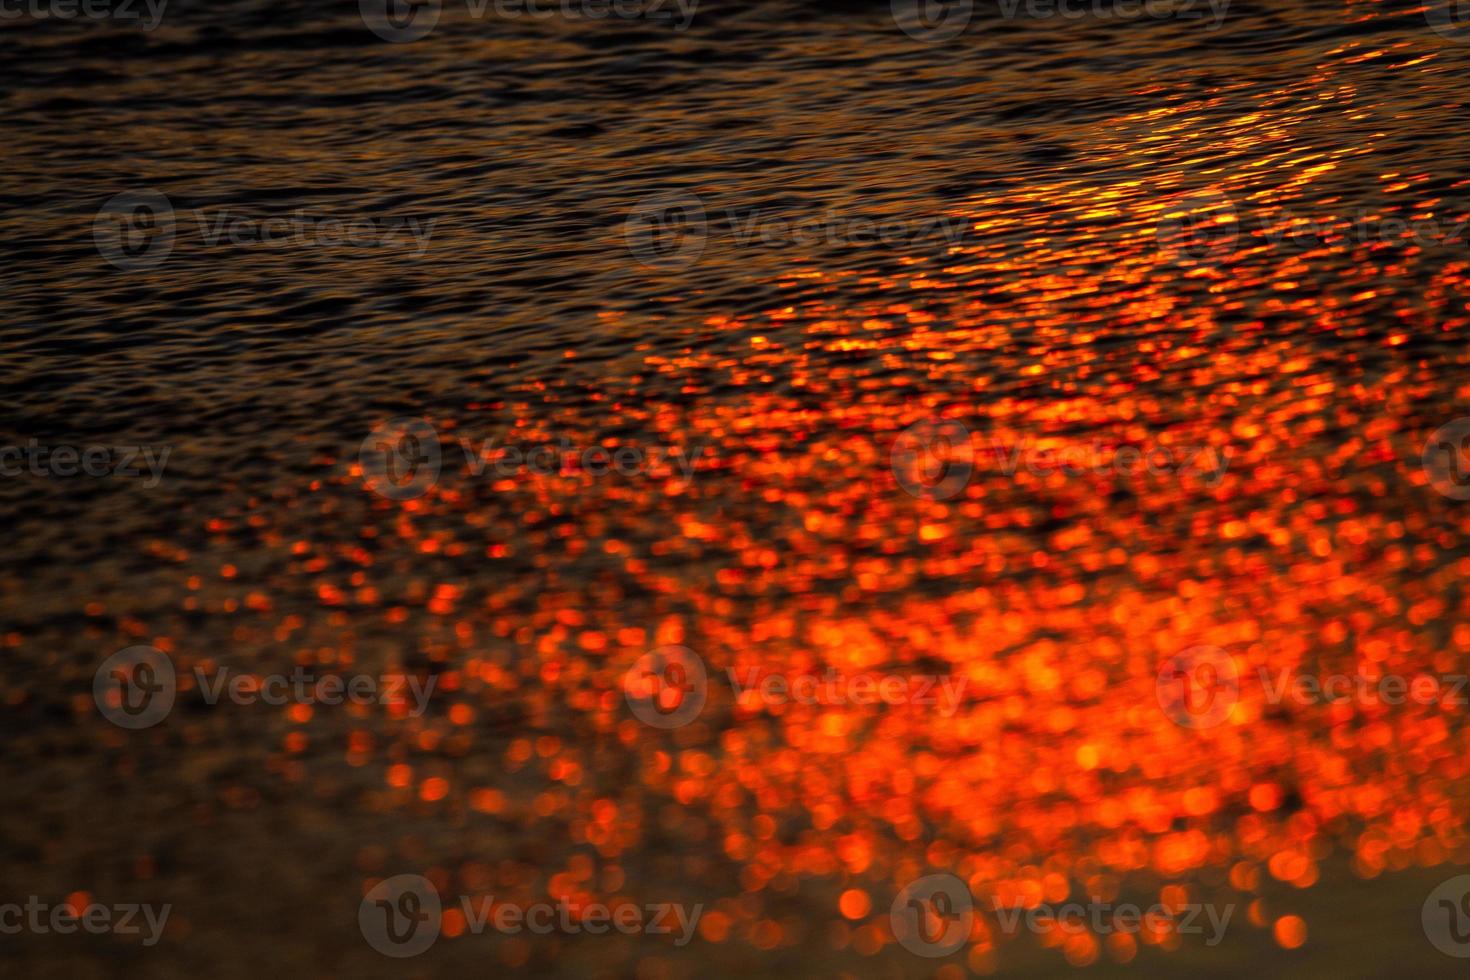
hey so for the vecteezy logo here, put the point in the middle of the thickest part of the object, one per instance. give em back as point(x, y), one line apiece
point(1449, 18)
point(399, 917)
point(932, 21)
point(1446, 917)
point(667, 230)
point(1198, 687)
point(400, 458)
point(667, 687)
point(933, 459)
point(1198, 226)
point(933, 916)
point(134, 688)
point(400, 20)
point(1447, 459)
point(134, 230)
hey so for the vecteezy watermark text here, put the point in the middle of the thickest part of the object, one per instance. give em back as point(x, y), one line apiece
point(668, 687)
point(934, 21)
point(136, 688)
point(1206, 225)
point(1120, 10)
point(94, 461)
point(1106, 918)
point(1389, 689)
point(403, 457)
point(138, 230)
point(122, 919)
point(401, 21)
point(148, 13)
point(670, 230)
point(756, 686)
point(300, 229)
point(933, 916)
point(1199, 687)
point(401, 917)
point(1075, 459)
point(935, 459)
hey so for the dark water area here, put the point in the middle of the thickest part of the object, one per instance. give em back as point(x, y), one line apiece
point(1085, 233)
point(526, 143)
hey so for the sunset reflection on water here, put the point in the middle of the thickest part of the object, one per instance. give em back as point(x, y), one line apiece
point(1104, 473)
